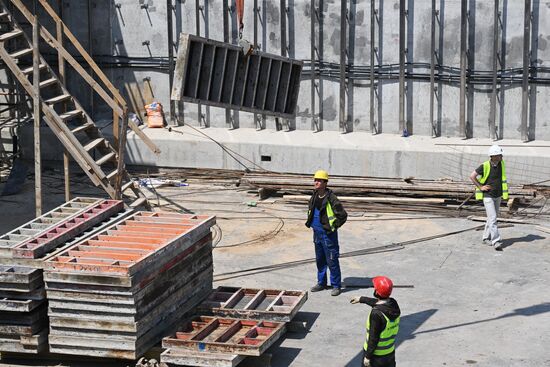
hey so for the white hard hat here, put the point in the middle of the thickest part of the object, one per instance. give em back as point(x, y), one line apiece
point(495, 150)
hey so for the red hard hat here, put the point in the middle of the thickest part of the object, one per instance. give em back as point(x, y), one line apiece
point(383, 286)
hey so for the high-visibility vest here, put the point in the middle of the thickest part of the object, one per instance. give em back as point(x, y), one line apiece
point(331, 216)
point(386, 343)
point(483, 179)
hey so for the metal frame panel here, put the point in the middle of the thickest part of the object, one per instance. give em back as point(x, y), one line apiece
point(233, 80)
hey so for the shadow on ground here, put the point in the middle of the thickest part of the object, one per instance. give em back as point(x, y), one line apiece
point(529, 238)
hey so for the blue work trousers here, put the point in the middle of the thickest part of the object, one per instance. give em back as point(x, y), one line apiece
point(327, 253)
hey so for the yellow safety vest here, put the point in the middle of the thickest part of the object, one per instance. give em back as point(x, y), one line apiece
point(486, 170)
point(330, 215)
point(386, 343)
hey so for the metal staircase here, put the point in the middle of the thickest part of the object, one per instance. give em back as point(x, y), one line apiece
point(62, 112)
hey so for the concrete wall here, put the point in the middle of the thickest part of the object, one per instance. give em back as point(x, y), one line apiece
point(129, 39)
point(138, 30)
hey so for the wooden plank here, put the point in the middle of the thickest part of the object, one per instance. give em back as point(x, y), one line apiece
point(180, 357)
point(504, 220)
point(36, 114)
point(543, 229)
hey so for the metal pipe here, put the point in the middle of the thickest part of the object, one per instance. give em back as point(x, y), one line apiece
point(492, 112)
point(343, 24)
point(226, 40)
point(526, 64)
point(312, 58)
point(372, 57)
point(198, 33)
point(402, 30)
point(170, 30)
point(463, 62)
point(435, 133)
point(284, 47)
point(256, 116)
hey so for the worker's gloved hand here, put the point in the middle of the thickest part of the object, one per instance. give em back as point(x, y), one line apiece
point(366, 362)
point(355, 299)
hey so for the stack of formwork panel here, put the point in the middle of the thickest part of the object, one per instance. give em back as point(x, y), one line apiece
point(119, 292)
point(23, 319)
point(23, 304)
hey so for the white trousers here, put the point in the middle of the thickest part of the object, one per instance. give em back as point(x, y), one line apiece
point(492, 206)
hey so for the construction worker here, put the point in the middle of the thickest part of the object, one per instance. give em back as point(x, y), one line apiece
point(325, 215)
point(491, 187)
point(382, 325)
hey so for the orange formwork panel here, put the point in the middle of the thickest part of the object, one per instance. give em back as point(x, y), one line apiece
point(128, 246)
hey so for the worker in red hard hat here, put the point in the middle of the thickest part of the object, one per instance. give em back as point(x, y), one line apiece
point(382, 325)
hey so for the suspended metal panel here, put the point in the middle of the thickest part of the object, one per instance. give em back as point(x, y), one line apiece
point(219, 74)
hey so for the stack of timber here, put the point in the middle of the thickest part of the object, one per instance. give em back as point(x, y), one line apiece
point(392, 195)
point(23, 319)
point(117, 293)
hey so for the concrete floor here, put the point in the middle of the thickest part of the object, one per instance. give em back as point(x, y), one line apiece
point(468, 304)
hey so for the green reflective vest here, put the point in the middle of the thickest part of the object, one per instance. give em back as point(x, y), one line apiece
point(331, 216)
point(483, 179)
point(386, 343)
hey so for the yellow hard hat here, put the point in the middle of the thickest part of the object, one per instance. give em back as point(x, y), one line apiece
point(321, 175)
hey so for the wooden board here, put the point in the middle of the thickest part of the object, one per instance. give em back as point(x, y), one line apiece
point(181, 357)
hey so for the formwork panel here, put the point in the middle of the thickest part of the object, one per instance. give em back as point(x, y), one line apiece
point(219, 74)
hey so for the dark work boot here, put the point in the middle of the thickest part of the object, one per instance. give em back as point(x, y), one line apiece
point(318, 287)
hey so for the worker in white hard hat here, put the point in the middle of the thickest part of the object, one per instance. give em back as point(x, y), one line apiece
point(325, 215)
point(491, 187)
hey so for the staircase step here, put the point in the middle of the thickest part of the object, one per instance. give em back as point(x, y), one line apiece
point(58, 99)
point(105, 158)
point(127, 185)
point(8, 36)
point(47, 82)
point(84, 127)
point(111, 175)
point(21, 53)
point(30, 70)
point(94, 143)
point(70, 114)
point(138, 202)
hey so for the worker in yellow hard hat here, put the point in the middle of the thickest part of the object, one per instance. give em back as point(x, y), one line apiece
point(325, 215)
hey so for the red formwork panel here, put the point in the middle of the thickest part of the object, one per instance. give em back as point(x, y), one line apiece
point(67, 229)
point(133, 244)
point(215, 334)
